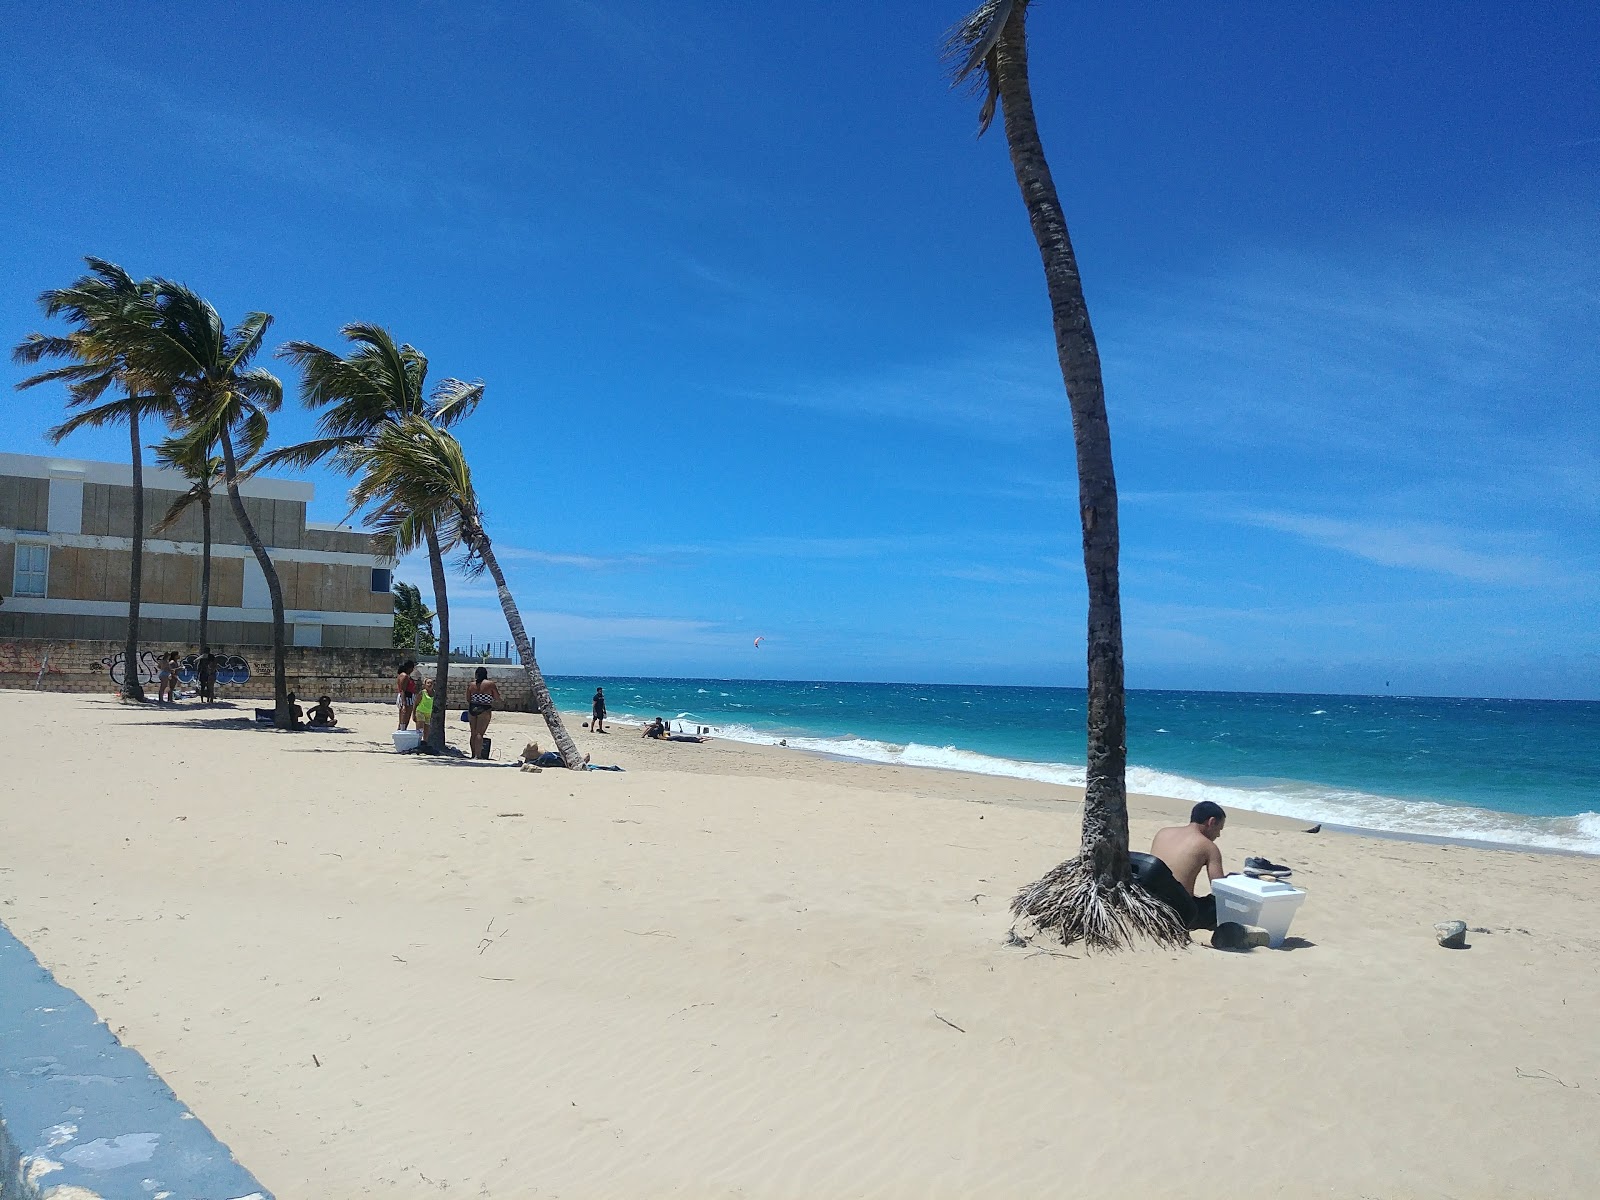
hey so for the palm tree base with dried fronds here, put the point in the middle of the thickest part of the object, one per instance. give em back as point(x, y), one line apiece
point(1074, 903)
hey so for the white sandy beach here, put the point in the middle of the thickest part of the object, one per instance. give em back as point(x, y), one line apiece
point(743, 971)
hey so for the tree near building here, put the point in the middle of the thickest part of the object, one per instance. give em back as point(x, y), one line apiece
point(189, 353)
point(192, 454)
point(413, 475)
point(376, 382)
point(1093, 897)
point(104, 308)
point(413, 621)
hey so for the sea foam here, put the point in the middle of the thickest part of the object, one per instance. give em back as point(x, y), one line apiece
point(1308, 802)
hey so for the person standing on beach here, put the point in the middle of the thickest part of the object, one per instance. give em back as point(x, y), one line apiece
point(206, 669)
point(405, 691)
point(482, 697)
point(599, 723)
point(424, 711)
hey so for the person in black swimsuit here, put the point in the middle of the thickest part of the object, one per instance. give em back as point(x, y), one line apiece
point(482, 697)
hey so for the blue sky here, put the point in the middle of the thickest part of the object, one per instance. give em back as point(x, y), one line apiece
point(766, 339)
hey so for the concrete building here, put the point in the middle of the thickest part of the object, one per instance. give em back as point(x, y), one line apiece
point(66, 542)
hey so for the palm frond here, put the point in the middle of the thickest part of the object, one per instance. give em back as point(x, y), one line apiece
point(75, 373)
point(969, 48)
point(412, 475)
point(178, 507)
point(307, 454)
point(251, 436)
point(454, 400)
point(246, 339)
point(36, 347)
point(259, 386)
point(113, 412)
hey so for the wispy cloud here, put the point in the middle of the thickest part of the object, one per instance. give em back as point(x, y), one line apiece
point(810, 548)
point(1446, 349)
point(579, 630)
point(1007, 392)
point(1050, 572)
point(585, 562)
point(1434, 548)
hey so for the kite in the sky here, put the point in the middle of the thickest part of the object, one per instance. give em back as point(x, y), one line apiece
point(759, 640)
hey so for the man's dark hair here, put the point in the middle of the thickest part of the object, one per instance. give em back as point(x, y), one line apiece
point(1205, 811)
point(324, 699)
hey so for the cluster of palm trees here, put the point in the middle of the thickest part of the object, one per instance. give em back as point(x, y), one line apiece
point(413, 477)
point(152, 351)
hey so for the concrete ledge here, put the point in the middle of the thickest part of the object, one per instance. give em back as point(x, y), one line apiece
point(83, 1116)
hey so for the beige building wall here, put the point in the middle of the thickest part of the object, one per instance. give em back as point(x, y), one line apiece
point(84, 511)
point(24, 504)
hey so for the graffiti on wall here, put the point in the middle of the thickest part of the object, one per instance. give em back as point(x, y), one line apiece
point(112, 664)
point(231, 669)
point(15, 660)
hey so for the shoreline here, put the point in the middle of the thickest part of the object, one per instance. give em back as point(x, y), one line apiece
point(1169, 802)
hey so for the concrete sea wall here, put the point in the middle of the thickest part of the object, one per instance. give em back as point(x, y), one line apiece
point(350, 674)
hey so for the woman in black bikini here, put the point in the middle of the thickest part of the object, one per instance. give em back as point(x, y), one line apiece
point(481, 699)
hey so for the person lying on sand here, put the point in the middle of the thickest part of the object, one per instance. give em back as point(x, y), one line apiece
point(1185, 849)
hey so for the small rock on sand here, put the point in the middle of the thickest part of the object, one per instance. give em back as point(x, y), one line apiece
point(1452, 935)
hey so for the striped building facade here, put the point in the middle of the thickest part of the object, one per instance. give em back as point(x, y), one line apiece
point(66, 529)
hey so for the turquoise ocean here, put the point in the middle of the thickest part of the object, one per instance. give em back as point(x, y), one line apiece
point(1525, 772)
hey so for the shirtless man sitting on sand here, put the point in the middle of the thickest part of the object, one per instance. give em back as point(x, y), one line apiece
point(1187, 848)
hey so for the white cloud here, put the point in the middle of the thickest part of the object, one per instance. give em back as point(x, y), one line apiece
point(1435, 548)
point(1008, 391)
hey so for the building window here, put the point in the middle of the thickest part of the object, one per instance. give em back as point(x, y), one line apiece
point(382, 580)
point(33, 569)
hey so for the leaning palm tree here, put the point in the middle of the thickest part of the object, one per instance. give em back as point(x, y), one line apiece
point(191, 454)
point(375, 383)
point(414, 475)
point(1093, 897)
point(105, 308)
point(190, 354)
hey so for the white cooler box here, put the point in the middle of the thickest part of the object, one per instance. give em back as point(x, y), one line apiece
point(1260, 902)
point(406, 739)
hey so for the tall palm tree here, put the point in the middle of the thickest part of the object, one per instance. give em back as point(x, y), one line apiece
point(1093, 897)
point(192, 355)
point(105, 308)
point(414, 475)
point(190, 452)
point(377, 382)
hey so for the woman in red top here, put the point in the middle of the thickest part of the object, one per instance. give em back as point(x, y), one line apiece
point(405, 691)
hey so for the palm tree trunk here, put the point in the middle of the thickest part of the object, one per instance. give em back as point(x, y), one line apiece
point(205, 569)
point(131, 688)
point(541, 694)
point(283, 713)
point(441, 660)
point(1094, 898)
